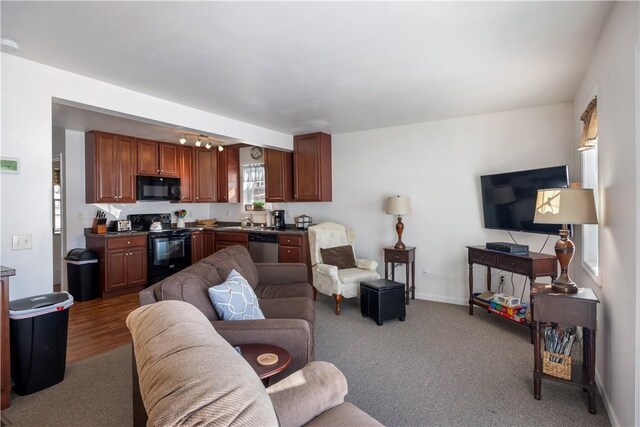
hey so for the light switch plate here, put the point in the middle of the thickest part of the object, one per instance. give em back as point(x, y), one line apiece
point(21, 241)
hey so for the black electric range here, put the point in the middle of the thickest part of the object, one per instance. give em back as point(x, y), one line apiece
point(169, 249)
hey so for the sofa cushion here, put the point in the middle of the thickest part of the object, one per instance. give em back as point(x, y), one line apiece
point(188, 287)
point(289, 308)
point(234, 258)
point(285, 290)
point(234, 299)
point(340, 256)
point(207, 272)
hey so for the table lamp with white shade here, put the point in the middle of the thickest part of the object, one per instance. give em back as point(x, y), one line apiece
point(398, 205)
point(565, 206)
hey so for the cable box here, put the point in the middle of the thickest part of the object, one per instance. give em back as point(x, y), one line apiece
point(510, 248)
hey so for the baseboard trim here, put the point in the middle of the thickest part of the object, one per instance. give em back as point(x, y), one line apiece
point(613, 418)
point(440, 298)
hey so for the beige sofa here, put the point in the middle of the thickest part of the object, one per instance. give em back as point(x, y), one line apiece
point(189, 375)
point(285, 298)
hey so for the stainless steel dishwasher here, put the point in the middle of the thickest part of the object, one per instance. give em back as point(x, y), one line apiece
point(263, 247)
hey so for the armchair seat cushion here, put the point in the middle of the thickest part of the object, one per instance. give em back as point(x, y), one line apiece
point(356, 275)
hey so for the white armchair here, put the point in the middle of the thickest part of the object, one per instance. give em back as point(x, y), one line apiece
point(328, 279)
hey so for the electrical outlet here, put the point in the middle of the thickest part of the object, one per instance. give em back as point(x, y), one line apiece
point(425, 271)
point(21, 241)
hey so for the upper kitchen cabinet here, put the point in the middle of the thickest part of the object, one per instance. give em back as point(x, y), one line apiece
point(185, 167)
point(110, 168)
point(278, 168)
point(229, 175)
point(157, 159)
point(312, 167)
point(205, 174)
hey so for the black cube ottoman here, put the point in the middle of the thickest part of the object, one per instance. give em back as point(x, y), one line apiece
point(382, 300)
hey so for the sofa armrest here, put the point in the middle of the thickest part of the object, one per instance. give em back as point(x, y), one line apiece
point(366, 264)
point(147, 296)
point(294, 335)
point(307, 393)
point(276, 273)
point(327, 270)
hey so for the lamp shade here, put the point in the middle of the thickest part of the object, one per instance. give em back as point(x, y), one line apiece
point(565, 206)
point(397, 205)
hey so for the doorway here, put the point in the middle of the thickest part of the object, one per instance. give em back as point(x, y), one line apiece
point(57, 221)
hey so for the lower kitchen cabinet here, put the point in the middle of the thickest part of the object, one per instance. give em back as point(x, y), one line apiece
point(208, 241)
point(122, 261)
point(197, 247)
point(223, 240)
point(295, 248)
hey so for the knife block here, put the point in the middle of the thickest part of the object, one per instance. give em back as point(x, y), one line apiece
point(98, 226)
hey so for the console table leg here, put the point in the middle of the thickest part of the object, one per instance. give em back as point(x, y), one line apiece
point(537, 362)
point(407, 279)
point(470, 289)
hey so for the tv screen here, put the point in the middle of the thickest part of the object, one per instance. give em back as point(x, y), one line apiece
point(509, 199)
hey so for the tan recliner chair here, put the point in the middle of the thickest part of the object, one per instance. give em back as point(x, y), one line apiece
point(185, 373)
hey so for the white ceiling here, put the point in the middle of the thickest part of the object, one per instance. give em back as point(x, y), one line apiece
point(319, 66)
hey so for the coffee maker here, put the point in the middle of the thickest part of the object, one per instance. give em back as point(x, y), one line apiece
point(277, 219)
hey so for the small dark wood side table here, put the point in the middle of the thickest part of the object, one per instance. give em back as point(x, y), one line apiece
point(250, 352)
point(407, 257)
point(577, 309)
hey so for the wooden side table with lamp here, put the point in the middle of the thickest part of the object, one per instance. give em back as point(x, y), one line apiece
point(400, 253)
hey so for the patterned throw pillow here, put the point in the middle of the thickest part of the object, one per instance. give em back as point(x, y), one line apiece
point(234, 299)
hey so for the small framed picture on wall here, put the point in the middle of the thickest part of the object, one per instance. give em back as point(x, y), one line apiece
point(9, 165)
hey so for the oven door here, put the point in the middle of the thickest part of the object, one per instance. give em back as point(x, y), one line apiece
point(168, 254)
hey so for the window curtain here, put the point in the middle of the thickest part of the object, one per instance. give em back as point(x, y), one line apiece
point(253, 173)
point(589, 136)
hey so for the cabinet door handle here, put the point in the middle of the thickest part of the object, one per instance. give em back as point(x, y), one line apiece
point(157, 170)
point(396, 257)
point(128, 243)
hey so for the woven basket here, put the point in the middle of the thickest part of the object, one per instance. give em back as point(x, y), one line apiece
point(560, 369)
point(206, 222)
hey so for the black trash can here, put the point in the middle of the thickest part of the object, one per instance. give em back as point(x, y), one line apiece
point(39, 328)
point(82, 274)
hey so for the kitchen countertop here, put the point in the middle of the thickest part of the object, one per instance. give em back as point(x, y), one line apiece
point(194, 227)
point(7, 271)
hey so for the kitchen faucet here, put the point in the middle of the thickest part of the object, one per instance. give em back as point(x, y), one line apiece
point(246, 221)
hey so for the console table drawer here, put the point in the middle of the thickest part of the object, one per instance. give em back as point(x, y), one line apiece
point(482, 257)
point(403, 257)
point(512, 264)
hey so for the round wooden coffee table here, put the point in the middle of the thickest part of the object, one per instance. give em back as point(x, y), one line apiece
point(250, 352)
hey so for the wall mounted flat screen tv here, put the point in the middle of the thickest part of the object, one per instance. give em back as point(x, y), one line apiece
point(509, 199)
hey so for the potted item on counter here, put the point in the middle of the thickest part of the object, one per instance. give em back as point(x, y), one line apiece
point(180, 215)
point(303, 222)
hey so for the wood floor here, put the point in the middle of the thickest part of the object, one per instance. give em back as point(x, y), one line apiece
point(98, 325)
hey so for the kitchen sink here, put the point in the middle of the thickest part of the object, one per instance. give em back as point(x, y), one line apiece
point(253, 228)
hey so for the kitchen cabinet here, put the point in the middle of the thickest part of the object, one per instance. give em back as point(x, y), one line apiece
point(110, 166)
point(157, 158)
point(196, 246)
point(185, 168)
point(208, 243)
point(295, 248)
point(312, 168)
point(229, 175)
point(278, 168)
point(223, 240)
point(122, 262)
point(206, 166)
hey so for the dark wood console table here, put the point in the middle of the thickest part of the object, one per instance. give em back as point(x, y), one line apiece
point(532, 265)
point(406, 256)
point(577, 309)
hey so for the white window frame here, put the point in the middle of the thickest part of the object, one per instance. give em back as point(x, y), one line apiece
point(591, 232)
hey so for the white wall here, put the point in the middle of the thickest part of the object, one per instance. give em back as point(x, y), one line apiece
point(28, 89)
point(438, 164)
point(612, 75)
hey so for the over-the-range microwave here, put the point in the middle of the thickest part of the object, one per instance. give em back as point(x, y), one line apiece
point(157, 188)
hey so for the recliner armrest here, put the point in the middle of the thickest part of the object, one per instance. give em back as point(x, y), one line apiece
point(366, 264)
point(307, 393)
point(327, 270)
point(276, 273)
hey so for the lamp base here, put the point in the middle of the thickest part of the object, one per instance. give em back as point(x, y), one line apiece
point(400, 245)
point(564, 252)
point(399, 229)
point(565, 287)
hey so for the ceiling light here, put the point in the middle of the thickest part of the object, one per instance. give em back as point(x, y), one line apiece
point(183, 140)
point(220, 147)
point(198, 142)
point(208, 144)
point(9, 45)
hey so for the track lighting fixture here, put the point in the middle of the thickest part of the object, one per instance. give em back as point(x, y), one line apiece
point(183, 140)
point(198, 142)
point(208, 144)
point(220, 147)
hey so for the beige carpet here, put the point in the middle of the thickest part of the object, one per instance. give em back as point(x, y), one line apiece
point(95, 392)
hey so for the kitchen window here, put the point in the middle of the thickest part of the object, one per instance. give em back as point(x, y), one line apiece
point(253, 185)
